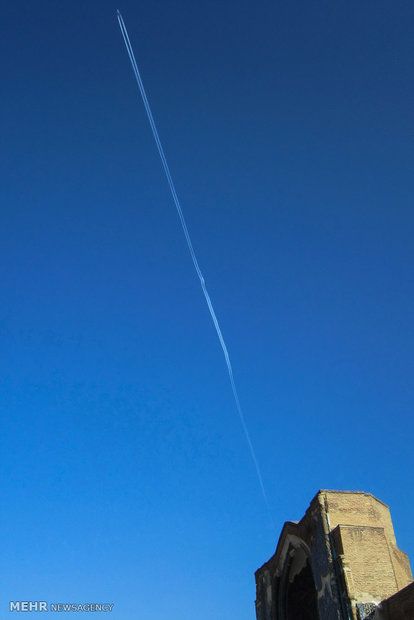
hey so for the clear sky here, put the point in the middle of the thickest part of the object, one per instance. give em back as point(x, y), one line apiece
point(288, 127)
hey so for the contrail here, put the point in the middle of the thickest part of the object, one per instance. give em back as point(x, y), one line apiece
point(193, 256)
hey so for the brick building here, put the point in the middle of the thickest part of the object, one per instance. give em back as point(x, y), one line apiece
point(339, 562)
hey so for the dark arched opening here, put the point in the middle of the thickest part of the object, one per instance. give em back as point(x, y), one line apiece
point(300, 595)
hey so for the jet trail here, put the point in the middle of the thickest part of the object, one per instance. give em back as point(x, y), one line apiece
point(190, 247)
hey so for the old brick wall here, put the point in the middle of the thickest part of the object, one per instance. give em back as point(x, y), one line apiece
point(400, 606)
point(371, 547)
point(347, 540)
point(366, 562)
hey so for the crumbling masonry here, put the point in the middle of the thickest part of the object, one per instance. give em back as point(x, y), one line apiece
point(340, 562)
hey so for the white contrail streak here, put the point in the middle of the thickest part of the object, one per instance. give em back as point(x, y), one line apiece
point(190, 247)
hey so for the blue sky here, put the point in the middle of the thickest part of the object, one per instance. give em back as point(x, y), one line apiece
point(288, 128)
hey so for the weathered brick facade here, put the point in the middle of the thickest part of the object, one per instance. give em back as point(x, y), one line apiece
point(338, 563)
